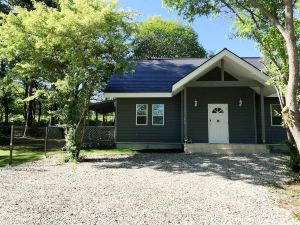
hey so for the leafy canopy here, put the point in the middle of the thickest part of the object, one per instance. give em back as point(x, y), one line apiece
point(158, 38)
point(72, 50)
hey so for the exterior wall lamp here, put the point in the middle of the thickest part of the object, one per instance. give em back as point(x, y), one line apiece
point(240, 104)
point(196, 102)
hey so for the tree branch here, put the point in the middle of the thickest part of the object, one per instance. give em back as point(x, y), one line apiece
point(267, 13)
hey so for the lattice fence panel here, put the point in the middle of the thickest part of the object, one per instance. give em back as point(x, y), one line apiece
point(98, 136)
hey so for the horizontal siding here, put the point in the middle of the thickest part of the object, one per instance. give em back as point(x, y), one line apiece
point(241, 120)
point(128, 131)
point(274, 134)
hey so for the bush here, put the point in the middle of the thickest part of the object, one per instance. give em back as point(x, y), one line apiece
point(293, 163)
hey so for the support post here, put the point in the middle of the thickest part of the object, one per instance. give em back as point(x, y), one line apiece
point(262, 114)
point(182, 116)
point(46, 140)
point(97, 121)
point(185, 113)
point(116, 121)
point(222, 70)
point(254, 118)
point(11, 144)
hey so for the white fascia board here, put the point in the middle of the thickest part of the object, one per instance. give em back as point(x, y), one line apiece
point(248, 66)
point(262, 78)
point(139, 95)
point(179, 85)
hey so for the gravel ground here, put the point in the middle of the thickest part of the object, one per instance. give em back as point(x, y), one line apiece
point(144, 189)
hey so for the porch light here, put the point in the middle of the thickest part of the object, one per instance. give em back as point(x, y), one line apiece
point(240, 103)
point(196, 102)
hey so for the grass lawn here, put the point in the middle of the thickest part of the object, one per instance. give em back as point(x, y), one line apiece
point(289, 196)
point(23, 156)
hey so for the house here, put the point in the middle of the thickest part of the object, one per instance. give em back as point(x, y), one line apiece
point(212, 105)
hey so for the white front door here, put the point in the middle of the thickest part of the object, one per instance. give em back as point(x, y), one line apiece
point(218, 123)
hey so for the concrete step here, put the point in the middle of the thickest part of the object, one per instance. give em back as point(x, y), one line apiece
point(225, 148)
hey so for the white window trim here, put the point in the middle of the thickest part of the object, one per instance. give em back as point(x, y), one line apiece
point(273, 125)
point(162, 115)
point(136, 115)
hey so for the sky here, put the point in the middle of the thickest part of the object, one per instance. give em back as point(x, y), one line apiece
point(213, 33)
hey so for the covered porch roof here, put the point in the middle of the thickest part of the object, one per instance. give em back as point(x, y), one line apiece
point(103, 107)
point(246, 74)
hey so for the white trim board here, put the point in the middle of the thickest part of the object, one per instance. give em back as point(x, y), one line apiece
point(225, 54)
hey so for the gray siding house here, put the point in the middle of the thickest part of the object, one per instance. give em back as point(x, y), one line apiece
point(222, 102)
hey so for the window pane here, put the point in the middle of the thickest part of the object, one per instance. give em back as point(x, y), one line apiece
point(158, 120)
point(141, 120)
point(277, 121)
point(276, 115)
point(141, 109)
point(158, 109)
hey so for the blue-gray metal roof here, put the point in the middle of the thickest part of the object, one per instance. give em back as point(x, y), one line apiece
point(158, 75)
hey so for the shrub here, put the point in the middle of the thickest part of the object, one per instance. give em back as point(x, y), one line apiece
point(293, 163)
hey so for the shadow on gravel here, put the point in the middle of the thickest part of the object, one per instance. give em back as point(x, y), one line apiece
point(257, 169)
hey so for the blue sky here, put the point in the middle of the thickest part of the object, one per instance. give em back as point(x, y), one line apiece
point(213, 34)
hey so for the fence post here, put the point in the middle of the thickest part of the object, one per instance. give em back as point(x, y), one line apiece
point(46, 141)
point(11, 144)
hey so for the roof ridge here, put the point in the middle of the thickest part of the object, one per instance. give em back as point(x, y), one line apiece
point(182, 58)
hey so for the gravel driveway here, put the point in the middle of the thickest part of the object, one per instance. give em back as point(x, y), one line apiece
point(144, 189)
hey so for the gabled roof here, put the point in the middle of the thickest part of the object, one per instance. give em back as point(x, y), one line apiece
point(166, 77)
point(153, 75)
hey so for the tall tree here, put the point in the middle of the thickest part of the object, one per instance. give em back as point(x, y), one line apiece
point(158, 38)
point(265, 16)
point(74, 49)
point(6, 7)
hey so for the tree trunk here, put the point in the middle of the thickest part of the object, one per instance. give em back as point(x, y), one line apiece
point(6, 112)
point(292, 114)
point(40, 111)
point(29, 108)
point(25, 104)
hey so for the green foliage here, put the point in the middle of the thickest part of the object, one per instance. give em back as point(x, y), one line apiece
point(158, 38)
point(293, 163)
point(72, 51)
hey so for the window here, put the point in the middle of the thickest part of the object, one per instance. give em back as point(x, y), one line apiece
point(218, 110)
point(276, 118)
point(158, 111)
point(141, 114)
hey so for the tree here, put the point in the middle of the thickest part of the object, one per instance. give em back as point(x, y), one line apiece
point(74, 50)
point(6, 6)
point(6, 99)
point(267, 17)
point(158, 38)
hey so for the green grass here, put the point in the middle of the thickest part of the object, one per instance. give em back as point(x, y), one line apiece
point(23, 156)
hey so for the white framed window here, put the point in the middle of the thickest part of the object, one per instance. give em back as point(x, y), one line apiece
point(141, 114)
point(158, 114)
point(276, 117)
